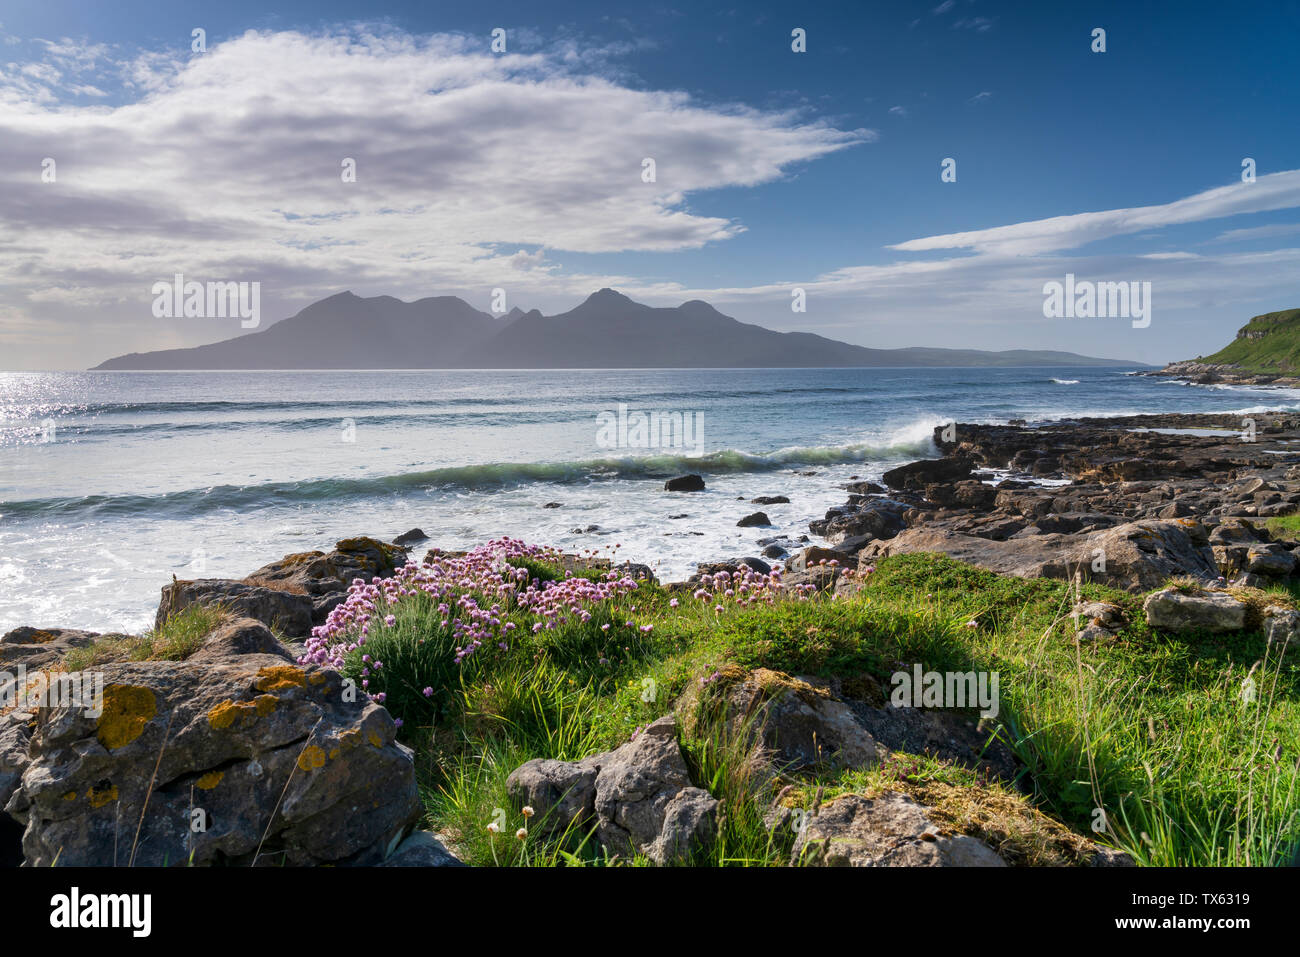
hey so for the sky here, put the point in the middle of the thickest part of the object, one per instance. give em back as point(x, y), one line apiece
point(523, 169)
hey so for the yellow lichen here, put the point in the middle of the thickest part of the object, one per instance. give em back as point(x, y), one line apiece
point(127, 709)
point(223, 715)
point(100, 798)
point(311, 758)
point(209, 780)
point(375, 738)
point(70, 796)
point(317, 678)
point(280, 678)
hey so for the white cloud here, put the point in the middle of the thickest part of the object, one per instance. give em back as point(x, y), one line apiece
point(226, 165)
point(1274, 191)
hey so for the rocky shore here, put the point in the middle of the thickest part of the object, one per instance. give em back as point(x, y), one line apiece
point(244, 752)
point(1130, 502)
point(1220, 373)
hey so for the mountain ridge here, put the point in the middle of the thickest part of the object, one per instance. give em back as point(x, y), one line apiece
point(606, 330)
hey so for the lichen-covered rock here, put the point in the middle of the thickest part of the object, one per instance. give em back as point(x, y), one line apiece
point(891, 830)
point(1269, 559)
point(229, 759)
point(790, 724)
point(1176, 611)
point(40, 647)
point(325, 577)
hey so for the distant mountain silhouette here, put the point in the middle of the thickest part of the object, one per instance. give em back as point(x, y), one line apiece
point(607, 330)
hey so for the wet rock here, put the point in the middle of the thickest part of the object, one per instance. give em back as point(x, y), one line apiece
point(411, 537)
point(770, 500)
point(917, 475)
point(755, 518)
point(685, 483)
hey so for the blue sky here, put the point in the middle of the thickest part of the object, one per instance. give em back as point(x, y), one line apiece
point(775, 169)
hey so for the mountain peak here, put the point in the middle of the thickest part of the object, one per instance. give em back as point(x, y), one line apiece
point(605, 296)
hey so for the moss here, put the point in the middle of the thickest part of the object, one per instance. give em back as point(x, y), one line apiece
point(127, 709)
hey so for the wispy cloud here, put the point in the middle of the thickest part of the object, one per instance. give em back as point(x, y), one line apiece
point(1274, 191)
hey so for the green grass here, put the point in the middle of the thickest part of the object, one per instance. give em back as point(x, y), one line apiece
point(1275, 351)
point(179, 637)
point(1152, 729)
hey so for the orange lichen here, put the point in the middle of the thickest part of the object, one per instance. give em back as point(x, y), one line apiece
point(70, 796)
point(317, 678)
point(209, 780)
point(127, 709)
point(280, 678)
point(311, 758)
point(223, 715)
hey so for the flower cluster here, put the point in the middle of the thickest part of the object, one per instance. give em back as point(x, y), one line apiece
point(473, 594)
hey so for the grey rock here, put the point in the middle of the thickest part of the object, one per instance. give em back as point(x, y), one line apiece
point(1172, 610)
point(891, 830)
point(422, 849)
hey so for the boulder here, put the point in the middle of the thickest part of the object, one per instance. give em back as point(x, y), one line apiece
point(1281, 625)
point(562, 794)
point(288, 612)
point(770, 500)
point(639, 803)
point(891, 830)
point(421, 849)
point(1136, 556)
point(325, 577)
point(917, 475)
point(40, 647)
point(1271, 560)
point(876, 519)
point(754, 518)
point(639, 797)
point(685, 483)
point(786, 723)
point(1176, 611)
point(411, 537)
point(221, 759)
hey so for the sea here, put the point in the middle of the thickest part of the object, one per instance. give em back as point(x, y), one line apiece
point(113, 482)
